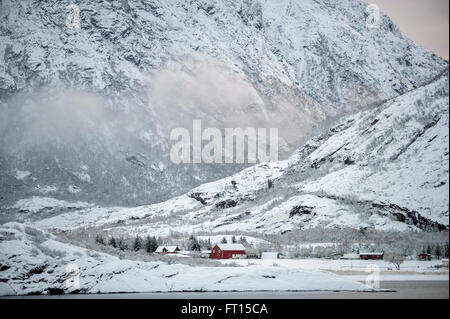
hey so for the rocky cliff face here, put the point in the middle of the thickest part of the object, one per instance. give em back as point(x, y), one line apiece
point(384, 168)
point(85, 113)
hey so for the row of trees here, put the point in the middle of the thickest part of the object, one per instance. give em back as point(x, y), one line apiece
point(330, 251)
point(408, 243)
point(437, 250)
point(195, 244)
point(242, 240)
point(149, 244)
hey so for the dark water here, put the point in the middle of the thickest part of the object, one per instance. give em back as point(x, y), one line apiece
point(438, 289)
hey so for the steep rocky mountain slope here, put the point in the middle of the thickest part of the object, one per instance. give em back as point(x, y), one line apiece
point(85, 114)
point(384, 168)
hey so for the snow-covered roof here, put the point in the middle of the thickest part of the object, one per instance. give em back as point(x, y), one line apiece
point(170, 249)
point(231, 246)
point(378, 254)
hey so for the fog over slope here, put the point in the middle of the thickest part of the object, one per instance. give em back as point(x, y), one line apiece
point(86, 114)
point(384, 168)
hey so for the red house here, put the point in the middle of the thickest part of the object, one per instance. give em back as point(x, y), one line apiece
point(371, 256)
point(227, 251)
point(425, 256)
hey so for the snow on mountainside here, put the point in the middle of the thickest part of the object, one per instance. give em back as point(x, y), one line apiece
point(34, 262)
point(86, 113)
point(384, 168)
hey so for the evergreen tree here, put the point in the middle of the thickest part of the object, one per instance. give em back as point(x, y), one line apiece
point(429, 249)
point(233, 240)
point(194, 244)
point(122, 244)
point(99, 240)
point(112, 242)
point(438, 251)
point(446, 250)
point(151, 244)
point(147, 244)
point(137, 244)
point(224, 240)
point(208, 245)
point(155, 244)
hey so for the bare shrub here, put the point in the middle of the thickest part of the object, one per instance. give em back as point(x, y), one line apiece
point(395, 259)
point(37, 235)
point(51, 252)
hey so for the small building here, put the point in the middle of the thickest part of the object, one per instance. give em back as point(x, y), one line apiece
point(424, 256)
point(269, 255)
point(445, 262)
point(167, 250)
point(227, 251)
point(371, 256)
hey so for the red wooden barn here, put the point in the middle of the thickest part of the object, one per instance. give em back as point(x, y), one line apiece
point(227, 251)
point(371, 256)
point(425, 256)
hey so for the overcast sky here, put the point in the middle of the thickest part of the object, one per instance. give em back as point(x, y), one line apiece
point(423, 21)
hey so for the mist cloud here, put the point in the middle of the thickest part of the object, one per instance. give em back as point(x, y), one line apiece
point(210, 91)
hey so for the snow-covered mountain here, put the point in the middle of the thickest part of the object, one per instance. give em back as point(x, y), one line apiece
point(85, 113)
point(384, 168)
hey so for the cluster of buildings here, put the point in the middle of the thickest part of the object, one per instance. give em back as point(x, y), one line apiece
point(219, 251)
point(238, 251)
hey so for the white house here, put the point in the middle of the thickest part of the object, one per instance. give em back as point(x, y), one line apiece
point(269, 255)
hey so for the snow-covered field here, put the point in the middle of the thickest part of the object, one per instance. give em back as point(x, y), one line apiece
point(34, 262)
point(359, 269)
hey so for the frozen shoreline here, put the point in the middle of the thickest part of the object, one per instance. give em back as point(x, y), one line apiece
point(393, 290)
